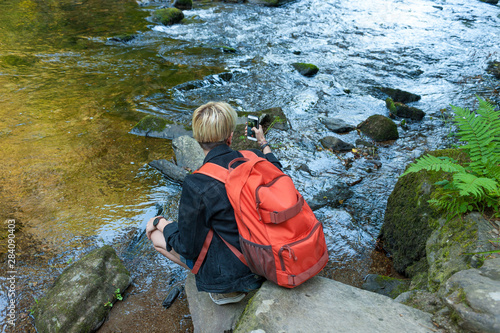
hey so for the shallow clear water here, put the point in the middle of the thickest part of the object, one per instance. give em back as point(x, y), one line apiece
point(75, 178)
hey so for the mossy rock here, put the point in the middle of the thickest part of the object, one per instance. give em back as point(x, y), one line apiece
point(183, 4)
point(268, 3)
point(409, 218)
point(168, 16)
point(123, 38)
point(81, 296)
point(494, 68)
point(404, 111)
point(379, 128)
point(399, 95)
point(306, 69)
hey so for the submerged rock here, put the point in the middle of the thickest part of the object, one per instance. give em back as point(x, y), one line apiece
point(168, 16)
point(330, 142)
point(81, 296)
point(379, 128)
point(125, 38)
point(268, 3)
point(333, 196)
point(385, 285)
point(220, 79)
point(404, 111)
point(306, 69)
point(337, 125)
point(157, 127)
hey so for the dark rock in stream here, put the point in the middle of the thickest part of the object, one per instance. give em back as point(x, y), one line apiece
point(332, 197)
point(83, 294)
point(404, 111)
point(492, 2)
point(183, 4)
point(306, 69)
point(494, 68)
point(397, 95)
point(209, 80)
point(168, 16)
point(385, 285)
point(330, 142)
point(379, 128)
point(125, 38)
point(337, 125)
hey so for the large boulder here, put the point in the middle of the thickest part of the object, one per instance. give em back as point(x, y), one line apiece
point(449, 247)
point(379, 128)
point(409, 219)
point(474, 294)
point(81, 296)
point(324, 305)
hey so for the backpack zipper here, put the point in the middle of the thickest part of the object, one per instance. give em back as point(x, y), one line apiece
point(288, 247)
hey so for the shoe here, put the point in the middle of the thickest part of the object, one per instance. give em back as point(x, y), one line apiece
point(221, 299)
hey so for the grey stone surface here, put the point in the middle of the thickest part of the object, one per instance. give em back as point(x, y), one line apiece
point(209, 317)
point(188, 152)
point(323, 305)
point(170, 170)
point(335, 144)
point(475, 295)
point(76, 302)
point(337, 125)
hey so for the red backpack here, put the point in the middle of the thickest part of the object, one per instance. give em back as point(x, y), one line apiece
point(280, 237)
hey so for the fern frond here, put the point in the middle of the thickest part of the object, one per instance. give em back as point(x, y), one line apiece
point(493, 169)
point(477, 132)
point(432, 163)
point(478, 187)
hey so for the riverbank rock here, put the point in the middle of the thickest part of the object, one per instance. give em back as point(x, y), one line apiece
point(379, 128)
point(81, 296)
point(168, 16)
point(157, 127)
point(475, 295)
point(404, 111)
point(337, 125)
point(323, 305)
point(385, 285)
point(183, 4)
point(397, 95)
point(306, 69)
point(409, 219)
point(189, 156)
point(494, 68)
point(333, 143)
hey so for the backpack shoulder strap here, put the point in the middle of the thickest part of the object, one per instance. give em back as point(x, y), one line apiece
point(215, 171)
point(248, 154)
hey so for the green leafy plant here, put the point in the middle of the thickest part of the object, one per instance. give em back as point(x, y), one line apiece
point(118, 295)
point(475, 184)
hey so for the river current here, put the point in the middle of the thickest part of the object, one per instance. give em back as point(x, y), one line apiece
point(74, 178)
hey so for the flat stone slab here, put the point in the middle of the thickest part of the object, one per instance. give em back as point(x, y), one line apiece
point(324, 305)
point(209, 317)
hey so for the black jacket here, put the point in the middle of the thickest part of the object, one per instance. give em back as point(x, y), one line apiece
point(204, 204)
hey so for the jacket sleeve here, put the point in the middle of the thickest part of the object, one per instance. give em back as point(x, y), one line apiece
point(187, 236)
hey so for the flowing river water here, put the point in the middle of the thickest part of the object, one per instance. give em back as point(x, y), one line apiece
point(73, 178)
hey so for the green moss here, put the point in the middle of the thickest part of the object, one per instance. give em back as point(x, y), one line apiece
point(306, 69)
point(152, 123)
point(168, 16)
point(389, 103)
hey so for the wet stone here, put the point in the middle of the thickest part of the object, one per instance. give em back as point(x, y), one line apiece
point(337, 125)
point(330, 142)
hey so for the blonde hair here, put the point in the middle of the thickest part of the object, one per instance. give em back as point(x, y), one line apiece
point(213, 124)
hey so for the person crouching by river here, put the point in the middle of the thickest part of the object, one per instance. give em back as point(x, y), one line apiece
point(204, 205)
